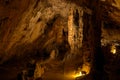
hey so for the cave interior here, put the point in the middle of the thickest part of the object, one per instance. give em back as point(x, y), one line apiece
point(59, 40)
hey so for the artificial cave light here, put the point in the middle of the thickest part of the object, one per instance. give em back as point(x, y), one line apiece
point(79, 74)
point(113, 49)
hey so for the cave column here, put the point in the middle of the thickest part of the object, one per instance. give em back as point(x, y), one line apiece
point(98, 58)
point(75, 29)
point(71, 30)
point(75, 36)
point(92, 56)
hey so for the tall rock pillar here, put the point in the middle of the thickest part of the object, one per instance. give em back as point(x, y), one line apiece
point(75, 29)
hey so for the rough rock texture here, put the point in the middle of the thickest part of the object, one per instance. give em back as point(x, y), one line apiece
point(40, 29)
point(75, 29)
point(35, 23)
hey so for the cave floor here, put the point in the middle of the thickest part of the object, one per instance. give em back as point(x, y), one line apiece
point(10, 70)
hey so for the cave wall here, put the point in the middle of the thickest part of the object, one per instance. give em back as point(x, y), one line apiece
point(35, 27)
point(38, 27)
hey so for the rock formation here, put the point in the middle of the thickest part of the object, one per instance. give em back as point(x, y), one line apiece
point(59, 30)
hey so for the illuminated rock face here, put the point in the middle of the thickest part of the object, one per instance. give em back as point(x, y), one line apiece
point(38, 25)
point(75, 29)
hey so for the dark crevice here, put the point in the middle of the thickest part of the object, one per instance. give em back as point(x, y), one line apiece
point(39, 20)
point(76, 17)
point(111, 25)
point(37, 2)
point(4, 19)
point(50, 22)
